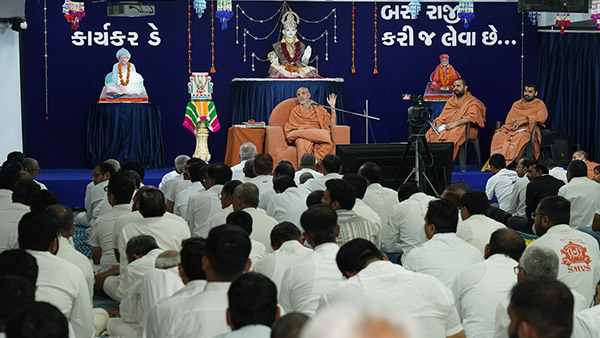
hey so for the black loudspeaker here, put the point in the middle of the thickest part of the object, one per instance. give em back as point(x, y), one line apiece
point(557, 146)
point(389, 157)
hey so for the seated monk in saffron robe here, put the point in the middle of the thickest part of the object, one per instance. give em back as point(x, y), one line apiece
point(308, 126)
point(512, 138)
point(461, 109)
point(583, 156)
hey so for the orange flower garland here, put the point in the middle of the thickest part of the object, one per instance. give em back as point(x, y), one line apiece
point(375, 71)
point(212, 37)
point(121, 74)
point(353, 68)
point(445, 79)
point(189, 29)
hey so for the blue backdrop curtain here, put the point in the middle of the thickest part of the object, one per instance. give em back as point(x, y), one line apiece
point(569, 79)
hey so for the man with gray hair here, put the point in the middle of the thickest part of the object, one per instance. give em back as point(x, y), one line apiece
point(537, 262)
point(172, 177)
point(32, 167)
point(247, 151)
point(64, 225)
point(245, 197)
point(308, 164)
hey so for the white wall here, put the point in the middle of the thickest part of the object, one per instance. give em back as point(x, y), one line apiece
point(11, 131)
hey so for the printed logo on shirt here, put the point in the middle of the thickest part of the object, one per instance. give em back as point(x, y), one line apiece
point(575, 256)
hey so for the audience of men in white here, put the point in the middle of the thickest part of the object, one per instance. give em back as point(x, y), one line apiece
point(259, 250)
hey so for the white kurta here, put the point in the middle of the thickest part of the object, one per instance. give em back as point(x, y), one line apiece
point(318, 183)
point(249, 331)
point(97, 195)
point(10, 215)
point(289, 205)
point(579, 258)
point(405, 228)
point(274, 264)
point(519, 193)
point(584, 195)
point(262, 224)
point(559, 173)
point(264, 183)
point(477, 229)
point(167, 231)
point(5, 197)
point(381, 199)
point(169, 305)
point(420, 298)
point(182, 198)
point(201, 208)
point(305, 170)
point(169, 183)
point(362, 209)
point(587, 323)
point(176, 188)
point(62, 284)
point(102, 233)
point(67, 252)
point(501, 185)
point(168, 176)
point(237, 171)
point(306, 281)
point(220, 217)
point(201, 315)
point(444, 256)
point(479, 289)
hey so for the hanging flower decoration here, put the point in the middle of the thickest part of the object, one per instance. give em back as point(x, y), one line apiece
point(466, 12)
point(596, 12)
point(212, 37)
point(563, 20)
point(375, 71)
point(353, 68)
point(224, 12)
point(73, 11)
point(534, 17)
point(189, 30)
point(414, 7)
point(200, 6)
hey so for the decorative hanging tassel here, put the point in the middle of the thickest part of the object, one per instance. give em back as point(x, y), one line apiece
point(534, 17)
point(73, 11)
point(212, 37)
point(200, 6)
point(189, 36)
point(563, 20)
point(375, 71)
point(596, 12)
point(466, 12)
point(414, 7)
point(353, 68)
point(224, 12)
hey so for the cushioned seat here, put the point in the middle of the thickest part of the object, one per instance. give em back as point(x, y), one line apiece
point(275, 142)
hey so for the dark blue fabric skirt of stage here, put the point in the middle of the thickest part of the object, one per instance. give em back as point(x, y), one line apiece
point(125, 132)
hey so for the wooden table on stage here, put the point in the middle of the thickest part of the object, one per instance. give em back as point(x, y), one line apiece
point(238, 135)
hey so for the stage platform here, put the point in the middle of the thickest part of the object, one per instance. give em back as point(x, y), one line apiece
point(69, 184)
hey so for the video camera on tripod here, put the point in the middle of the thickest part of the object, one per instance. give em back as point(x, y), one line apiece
point(417, 113)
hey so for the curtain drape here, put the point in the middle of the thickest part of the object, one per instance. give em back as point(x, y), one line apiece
point(569, 80)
